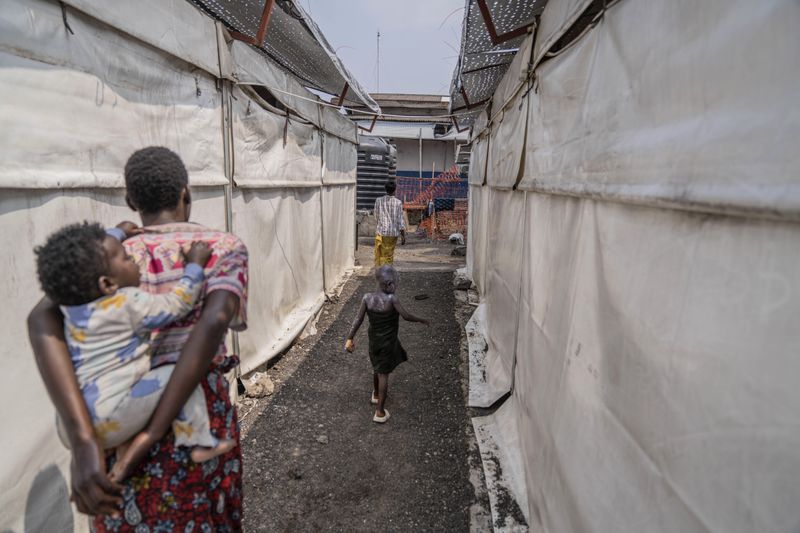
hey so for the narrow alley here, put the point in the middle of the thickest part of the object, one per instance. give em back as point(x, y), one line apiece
point(312, 450)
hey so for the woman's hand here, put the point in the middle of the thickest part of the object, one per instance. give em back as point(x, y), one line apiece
point(92, 491)
point(198, 253)
point(349, 345)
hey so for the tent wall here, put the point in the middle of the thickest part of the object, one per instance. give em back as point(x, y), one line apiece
point(649, 252)
point(281, 228)
point(338, 237)
point(74, 106)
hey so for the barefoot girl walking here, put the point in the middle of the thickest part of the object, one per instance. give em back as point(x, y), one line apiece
point(385, 351)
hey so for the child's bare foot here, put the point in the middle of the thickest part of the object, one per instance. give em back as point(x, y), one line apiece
point(381, 418)
point(201, 454)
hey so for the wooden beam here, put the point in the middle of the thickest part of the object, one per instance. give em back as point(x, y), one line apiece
point(371, 126)
point(455, 125)
point(343, 94)
point(242, 37)
point(497, 39)
point(466, 98)
point(471, 106)
point(262, 25)
point(487, 67)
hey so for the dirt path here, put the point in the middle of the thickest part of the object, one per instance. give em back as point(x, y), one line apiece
point(316, 462)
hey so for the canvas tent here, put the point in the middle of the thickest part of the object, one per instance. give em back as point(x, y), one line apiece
point(83, 84)
point(643, 314)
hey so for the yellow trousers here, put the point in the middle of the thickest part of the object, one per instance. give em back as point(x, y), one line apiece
point(384, 250)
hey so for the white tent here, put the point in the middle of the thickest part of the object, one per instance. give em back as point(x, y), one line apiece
point(84, 85)
point(643, 314)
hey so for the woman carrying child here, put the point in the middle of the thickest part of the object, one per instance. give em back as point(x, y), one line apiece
point(159, 487)
point(385, 351)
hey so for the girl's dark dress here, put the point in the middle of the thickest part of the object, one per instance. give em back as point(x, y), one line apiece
point(385, 350)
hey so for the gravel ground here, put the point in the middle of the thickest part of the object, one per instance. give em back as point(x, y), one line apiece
point(315, 461)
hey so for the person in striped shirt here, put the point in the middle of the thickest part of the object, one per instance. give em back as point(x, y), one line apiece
point(390, 225)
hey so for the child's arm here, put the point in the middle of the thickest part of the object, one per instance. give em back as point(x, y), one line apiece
point(349, 345)
point(405, 314)
point(152, 311)
point(124, 230)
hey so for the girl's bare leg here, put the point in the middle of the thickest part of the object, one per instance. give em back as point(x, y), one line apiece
point(374, 385)
point(383, 390)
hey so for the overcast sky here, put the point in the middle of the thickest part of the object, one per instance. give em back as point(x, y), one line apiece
point(417, 55)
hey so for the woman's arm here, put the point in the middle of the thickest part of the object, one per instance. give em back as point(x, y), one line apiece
point(349, 345)
point(91, 489)
point(405, 314)
point(219, 309)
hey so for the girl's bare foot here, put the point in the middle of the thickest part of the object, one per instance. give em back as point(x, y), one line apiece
point(201, 454)
point(381, 418)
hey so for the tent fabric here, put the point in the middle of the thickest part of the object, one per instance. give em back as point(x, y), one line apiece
point(698, 129)
point(655, 369)
point(557, 17)
point(338, 232)
point(481, 122)
point(506, 145)
point(172, 26)
point(334, 123)
point(478, 160)
point(502, 261)
point(282, 230)
point(251, 67)
point(514, 78)
point(476, 237)
point(260, 157)
point(653, 353)
point(90, 111)
point(339, 161)
point(76, 104)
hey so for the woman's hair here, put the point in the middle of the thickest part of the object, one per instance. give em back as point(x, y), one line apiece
point(391, 186)
point(154, 179)
point(70, 263)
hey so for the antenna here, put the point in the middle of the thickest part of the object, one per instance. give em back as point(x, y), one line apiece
point(378, 81)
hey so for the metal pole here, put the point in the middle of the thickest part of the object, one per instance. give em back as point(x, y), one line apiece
point(227, 154)
point(378, 83)
point(420, 155)
point(322, 211)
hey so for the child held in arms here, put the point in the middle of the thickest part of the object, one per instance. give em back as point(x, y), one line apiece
point(108, 322)
point(385, 351)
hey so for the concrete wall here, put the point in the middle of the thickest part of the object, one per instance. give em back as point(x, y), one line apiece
point(440, 152)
